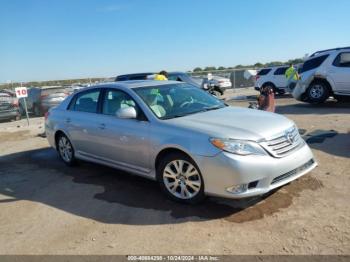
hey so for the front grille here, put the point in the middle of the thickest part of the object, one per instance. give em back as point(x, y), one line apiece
point(293, 172)
point(284, 143)
point(6, 107)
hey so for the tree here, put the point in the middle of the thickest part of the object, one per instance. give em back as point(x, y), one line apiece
point(275, 63)
point(210, 68)
point(258, 65)
point(197, 69)
point(295, 61)
point(221, 68)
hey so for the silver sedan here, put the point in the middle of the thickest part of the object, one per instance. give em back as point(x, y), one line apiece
point(190, 142)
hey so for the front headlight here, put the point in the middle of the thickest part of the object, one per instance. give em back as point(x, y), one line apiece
point(238, 147)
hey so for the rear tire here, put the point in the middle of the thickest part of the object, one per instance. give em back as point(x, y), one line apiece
point(66, 150)
point(317, 92)
point(180, 179)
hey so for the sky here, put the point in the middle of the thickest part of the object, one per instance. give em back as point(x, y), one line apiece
point(66, 39)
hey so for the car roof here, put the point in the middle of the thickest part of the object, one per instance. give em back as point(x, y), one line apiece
point(273, 67)
point(149, 73)
point(176, 73)
point(136, 74)
point(130, 84)
point(328, 51)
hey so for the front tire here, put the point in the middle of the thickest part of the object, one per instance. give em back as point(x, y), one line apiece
point(317, 93)
point(18, 117)
point(180, 179)
point(66, 150)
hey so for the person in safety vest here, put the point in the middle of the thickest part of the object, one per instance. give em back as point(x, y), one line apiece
point(292, 76)
point(161, 76)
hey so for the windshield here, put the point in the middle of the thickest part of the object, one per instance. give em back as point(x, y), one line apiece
point(177, 100)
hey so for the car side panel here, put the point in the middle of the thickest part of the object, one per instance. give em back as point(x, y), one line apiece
point(125, 142)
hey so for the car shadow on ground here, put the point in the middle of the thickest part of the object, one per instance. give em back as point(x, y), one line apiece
point(329, 141)
point(329, 107)
point(111, 196)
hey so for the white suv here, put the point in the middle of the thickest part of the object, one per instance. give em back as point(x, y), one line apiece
point(325, 73)
point(273, 77)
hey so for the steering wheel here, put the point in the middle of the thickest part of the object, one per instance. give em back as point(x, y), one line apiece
point(187, 103)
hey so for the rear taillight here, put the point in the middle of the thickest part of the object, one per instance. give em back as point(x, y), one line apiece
point(43, 96)
point(257, 77)
point(46, 115)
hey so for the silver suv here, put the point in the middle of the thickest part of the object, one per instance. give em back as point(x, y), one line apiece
point(189, 141)
point(325, 73)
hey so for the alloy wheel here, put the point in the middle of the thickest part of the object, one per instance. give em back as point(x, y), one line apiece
point(65, 149)
point(182, 179)
point(316, 91)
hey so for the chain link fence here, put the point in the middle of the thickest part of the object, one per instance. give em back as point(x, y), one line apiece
point(238, 77)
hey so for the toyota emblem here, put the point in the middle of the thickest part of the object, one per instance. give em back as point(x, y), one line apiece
point(289, 137)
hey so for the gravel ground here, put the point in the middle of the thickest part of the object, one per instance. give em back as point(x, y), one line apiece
point(48, 208)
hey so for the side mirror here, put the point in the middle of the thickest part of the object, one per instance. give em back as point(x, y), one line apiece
point(127, 113)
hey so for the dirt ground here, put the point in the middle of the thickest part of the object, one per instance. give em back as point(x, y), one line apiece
point(48, 208)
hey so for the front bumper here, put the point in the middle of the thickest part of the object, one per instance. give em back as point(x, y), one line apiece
point(265, 173)
point(299, 91)
point(5, 115)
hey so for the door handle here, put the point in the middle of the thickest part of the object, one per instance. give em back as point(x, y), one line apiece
point(68, 120)
point(102, 126)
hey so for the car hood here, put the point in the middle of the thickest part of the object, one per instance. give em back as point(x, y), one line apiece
point(235, 123)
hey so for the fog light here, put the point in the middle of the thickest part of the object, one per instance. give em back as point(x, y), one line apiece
point(237, 189)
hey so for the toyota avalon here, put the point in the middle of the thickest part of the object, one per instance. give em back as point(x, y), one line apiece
point(177, 134)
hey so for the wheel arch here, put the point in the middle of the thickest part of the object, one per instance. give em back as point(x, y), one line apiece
point(57, 134)
point(322, 80)
point(269, 83)
point(169, 150)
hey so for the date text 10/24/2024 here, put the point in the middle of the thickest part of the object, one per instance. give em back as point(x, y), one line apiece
point(172, 258)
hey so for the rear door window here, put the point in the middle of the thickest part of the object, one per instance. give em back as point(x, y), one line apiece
point(313, 63)
point(263, 72)
point(86, 102)
point(280, 71)
point(342, 60)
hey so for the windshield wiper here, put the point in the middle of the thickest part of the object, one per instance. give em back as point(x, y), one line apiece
point(212, 108)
